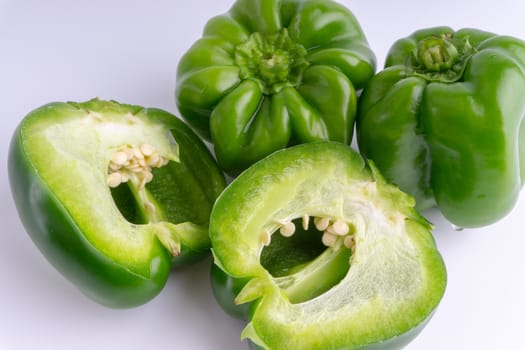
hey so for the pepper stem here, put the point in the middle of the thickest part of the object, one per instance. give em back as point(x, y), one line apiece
point(441, 58)
point(436, 54)
point(273, 61)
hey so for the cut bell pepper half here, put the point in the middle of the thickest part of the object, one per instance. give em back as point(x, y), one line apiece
point(113, 195)
point(316, 251)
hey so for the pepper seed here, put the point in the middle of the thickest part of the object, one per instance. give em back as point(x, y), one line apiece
point(340, 228)
point(114, 179)
point(329, 239)
point(321, 224)
point(287, 229)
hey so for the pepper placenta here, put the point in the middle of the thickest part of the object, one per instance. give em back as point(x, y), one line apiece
point(316, 251)
point(271, 73)
point(113, 195)
point(444, 121)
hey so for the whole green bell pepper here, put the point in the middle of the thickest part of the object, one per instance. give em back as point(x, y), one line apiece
point(271, 73)
point(444, 121)
point(316, 251)
point(113, 195)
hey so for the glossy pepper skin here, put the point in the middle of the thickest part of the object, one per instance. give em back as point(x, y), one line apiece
point(359, 269)
point(444, 121)
point(272, 73)
point(116, 242)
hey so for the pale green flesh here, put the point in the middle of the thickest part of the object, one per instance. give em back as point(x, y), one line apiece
point(396, 276)
point(71, 150)
point(316, 277)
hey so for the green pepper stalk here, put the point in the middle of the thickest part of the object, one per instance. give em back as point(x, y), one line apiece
point(316, 251)
point(273, 61)
point(449, 109)
point(113, 195)
point(271, 73)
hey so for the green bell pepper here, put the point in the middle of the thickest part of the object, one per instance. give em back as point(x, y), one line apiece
point(113, 195)
point(316, 251)
point(271, 73)
point(443, 121)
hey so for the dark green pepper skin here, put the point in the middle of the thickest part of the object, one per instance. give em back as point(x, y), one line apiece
point(444, 121)
point(225, 288)
point(271, 73)
point(70, 223)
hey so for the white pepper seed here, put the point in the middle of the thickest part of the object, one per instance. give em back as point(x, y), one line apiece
point(114, 179)
point(329, 239)
point(124, 175)
point(287, 229)
point(129, 153)
point(147, 150)
point(119, 158)
point(114, 167)
point(321, 224)
point(135, 167)
point(349, 242)
point(153, 159)
point(137, 153)
point(340, 228)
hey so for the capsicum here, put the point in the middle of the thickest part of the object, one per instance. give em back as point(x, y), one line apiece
point(271, 73)
point(316, 251)
point(113, 195)
point(444, 121)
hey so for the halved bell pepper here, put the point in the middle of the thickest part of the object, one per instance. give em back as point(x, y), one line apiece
point(444, 121)
point(271, 73)
point(113, 195)
point(316, 251)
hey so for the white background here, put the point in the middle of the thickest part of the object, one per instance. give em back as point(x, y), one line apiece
point(59, 50)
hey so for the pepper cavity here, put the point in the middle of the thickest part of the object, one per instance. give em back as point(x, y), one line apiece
point(332, 230)
point(307, 255)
